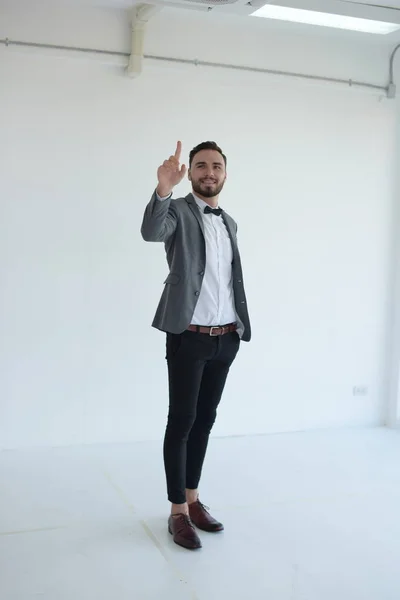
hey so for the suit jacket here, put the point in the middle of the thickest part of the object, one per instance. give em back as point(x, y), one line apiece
point(178, 223)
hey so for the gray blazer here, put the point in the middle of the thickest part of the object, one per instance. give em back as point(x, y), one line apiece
point(178, 223)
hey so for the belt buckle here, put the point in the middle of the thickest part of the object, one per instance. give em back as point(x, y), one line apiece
point(212, 334)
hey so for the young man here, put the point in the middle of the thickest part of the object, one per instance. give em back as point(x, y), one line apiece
point(203, 311)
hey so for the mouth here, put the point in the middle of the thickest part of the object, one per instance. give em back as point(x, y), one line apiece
point(208, 181)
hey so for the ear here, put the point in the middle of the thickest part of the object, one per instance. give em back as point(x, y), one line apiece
point(189, 175)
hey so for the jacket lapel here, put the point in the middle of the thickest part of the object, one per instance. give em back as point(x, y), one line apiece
point(232, 234)
point(230, 225)
point(195, 210)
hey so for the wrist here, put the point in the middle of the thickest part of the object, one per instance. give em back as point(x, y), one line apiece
point(163, 192)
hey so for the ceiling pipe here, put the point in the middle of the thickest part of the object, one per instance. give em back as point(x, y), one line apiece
point(389, 90)
point(392, 85)
point(141, 14)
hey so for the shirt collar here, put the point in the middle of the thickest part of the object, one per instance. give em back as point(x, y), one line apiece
point(200, 203)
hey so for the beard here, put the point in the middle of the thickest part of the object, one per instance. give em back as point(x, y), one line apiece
point(207, 190)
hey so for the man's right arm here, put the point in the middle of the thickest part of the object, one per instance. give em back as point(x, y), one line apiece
point(160, 217)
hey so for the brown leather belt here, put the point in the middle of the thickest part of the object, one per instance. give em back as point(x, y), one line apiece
point(214, 331)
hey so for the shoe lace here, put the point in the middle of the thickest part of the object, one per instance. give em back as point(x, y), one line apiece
point(186, 520)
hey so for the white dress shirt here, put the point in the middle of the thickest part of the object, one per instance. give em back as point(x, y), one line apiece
point(216, 303)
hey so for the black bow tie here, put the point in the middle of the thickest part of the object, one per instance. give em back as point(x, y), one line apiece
point(214, 211)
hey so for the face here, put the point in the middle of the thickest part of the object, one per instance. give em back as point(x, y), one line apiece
point(207, 173)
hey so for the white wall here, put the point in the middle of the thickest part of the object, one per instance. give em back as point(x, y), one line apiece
point(393, 387)
point(310, 183)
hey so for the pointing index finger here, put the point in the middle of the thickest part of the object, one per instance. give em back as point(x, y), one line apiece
point(178, 150)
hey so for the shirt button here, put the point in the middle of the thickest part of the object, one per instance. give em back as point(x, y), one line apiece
point(197, 294)
point(239, 281)
point(201, 273)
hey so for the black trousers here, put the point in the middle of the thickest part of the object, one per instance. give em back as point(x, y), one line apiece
point(198, 366)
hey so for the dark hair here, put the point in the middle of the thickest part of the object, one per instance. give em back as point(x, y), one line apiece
point(205, 146)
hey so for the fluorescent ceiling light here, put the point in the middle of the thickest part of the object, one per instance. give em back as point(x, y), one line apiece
point(310, 17)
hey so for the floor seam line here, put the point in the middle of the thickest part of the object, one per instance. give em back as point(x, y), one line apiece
point(150, 534)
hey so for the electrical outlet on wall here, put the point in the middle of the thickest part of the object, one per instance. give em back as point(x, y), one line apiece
point(360, 390)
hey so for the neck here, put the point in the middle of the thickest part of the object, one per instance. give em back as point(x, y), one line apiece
point(212, 202)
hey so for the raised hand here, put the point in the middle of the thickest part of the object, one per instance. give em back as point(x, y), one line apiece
point(170, 173)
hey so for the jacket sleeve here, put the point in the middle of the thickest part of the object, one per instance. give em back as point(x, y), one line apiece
point(159, 221)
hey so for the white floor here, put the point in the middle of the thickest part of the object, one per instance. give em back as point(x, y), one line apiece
point(308, 516)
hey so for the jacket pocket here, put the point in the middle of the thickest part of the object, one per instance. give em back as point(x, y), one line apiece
point(172, 279)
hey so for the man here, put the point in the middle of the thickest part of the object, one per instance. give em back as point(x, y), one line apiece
point(204, 313)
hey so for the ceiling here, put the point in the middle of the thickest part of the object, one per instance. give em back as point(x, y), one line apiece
point(356, 4)
point(388, 3)
point(380, 10)
point(384, 10)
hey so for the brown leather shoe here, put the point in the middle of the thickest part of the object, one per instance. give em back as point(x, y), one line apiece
point(202, 518)
point(181, 527)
